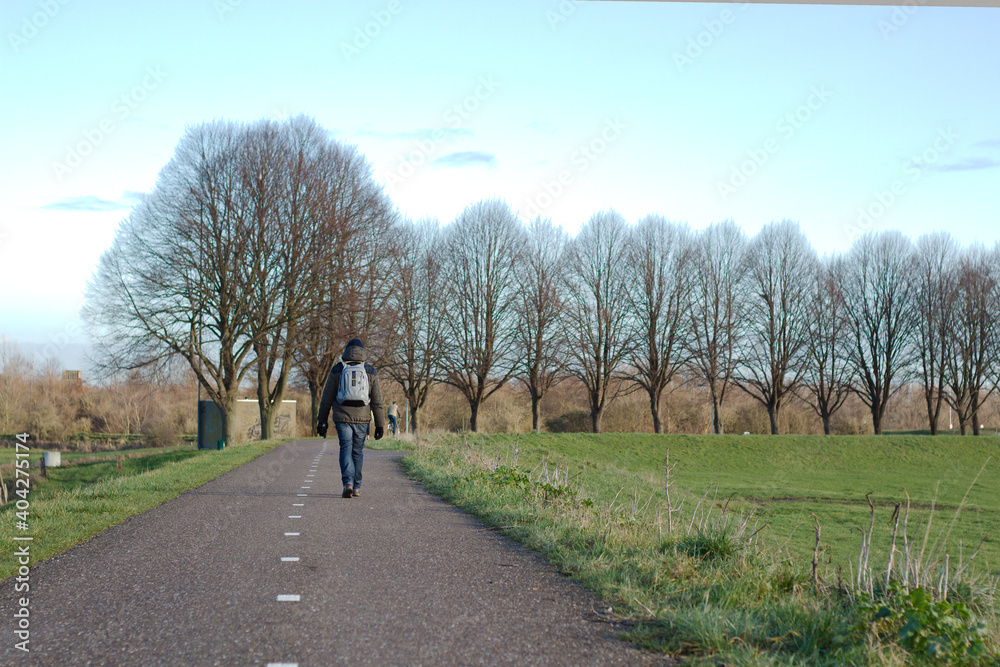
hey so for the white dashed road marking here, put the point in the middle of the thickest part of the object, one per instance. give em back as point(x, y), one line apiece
point(290, 534)
point(289, 598)
point(289, 559)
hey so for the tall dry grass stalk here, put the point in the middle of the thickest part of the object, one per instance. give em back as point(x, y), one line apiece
point(922, 562)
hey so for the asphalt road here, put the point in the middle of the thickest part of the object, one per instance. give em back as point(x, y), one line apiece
point(267, 564)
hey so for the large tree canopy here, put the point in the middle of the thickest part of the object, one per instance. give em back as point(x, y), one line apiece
point(230, 254)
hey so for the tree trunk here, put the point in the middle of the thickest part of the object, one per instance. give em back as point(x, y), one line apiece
point(975, 405)
point(772, 414)
point(654, 408)
point(596, 415)
point(474, 417)
point(229, 421)
point(826, 424)
point(934, 411)
point(267, 422)
point(876, 417)
point(716, 419)
point(413, 417)
point(535, 400)
point(314, 398)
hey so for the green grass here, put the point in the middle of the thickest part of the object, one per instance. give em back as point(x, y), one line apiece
point(71, 476)
point(723, 588)
point(793, 476)
point(77, 502)
point(7, 454)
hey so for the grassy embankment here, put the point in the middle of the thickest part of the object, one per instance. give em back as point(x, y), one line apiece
point(728, 580)
point(75, 502)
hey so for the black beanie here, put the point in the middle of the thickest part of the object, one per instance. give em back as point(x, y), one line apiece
point(356, 342)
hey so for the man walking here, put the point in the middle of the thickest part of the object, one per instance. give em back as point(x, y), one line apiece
point(353, 393)
point(393, 414)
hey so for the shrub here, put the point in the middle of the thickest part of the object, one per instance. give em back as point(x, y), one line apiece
point(576, 421)
point(939, 632)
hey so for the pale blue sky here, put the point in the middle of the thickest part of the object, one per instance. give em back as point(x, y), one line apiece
point(698, 112)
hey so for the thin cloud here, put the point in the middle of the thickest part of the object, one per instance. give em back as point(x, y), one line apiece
point(466, 159)
point(968, 164)
point(91, 203)
point(988, 143)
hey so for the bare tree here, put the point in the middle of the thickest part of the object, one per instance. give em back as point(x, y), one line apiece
point(934, 300)
point(418, 301)
point(481, 247)
point(780, 266)
point(221, 263)
point(284, 237)
point(826, 384)
point(660, 254)
point(171, 282)
point(972, 336)
point(540, 337)
point(351, 277)
point(15, 372)
point(717, 309)
point(878, 287)
point(597, 314)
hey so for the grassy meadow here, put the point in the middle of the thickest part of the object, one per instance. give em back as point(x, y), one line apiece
point(729, 579)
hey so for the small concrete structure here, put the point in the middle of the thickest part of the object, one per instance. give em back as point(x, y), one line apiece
point(246, 423)
point(52, 459)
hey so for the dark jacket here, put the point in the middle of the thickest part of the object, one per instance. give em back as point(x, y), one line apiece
point(348, 413)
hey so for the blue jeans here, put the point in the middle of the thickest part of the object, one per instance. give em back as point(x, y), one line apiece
point(352, 451)
point(392, 423)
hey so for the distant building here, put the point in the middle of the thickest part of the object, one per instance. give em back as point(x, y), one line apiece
point(73, 378)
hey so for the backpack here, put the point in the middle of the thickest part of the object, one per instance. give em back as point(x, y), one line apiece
point(353, 389)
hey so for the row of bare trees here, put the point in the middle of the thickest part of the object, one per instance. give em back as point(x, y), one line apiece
point(655, 305)
point(265, 246)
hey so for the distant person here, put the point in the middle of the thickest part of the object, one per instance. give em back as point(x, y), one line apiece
point(353, 393)
point(393, 414)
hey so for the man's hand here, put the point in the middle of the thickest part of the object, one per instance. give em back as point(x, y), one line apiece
point(379, 432)
point(321, 429)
